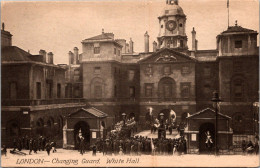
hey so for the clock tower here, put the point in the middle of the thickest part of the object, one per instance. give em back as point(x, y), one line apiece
point(172, 24)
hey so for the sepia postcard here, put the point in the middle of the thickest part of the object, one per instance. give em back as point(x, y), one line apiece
point(130, 83)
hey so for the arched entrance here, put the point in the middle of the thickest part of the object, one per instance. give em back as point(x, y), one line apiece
point(81, 128)
point(167, 88)
point(202, 136)
point(50, 127)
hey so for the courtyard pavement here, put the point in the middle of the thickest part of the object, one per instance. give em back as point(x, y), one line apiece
point(155, 135)
point(72, 158)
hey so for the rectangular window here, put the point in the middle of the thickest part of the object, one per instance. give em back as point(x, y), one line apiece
point(58, 90)
point(97, 70)
point(132, 91)
point(131, 75)
point(185, 70)
point(49, 90)
point(96, 50)
point(38, 90)
point(13, 90)
point(167, 70)
point(185, 90)
point(238, 44)
point(118, 52)
point(148, 90)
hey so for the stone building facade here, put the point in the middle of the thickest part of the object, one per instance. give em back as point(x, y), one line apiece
point(33, 99)
point(117, 80)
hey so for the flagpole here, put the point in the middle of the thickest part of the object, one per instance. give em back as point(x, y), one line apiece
point(228, 11)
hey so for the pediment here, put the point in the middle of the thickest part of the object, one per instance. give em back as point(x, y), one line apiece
point(208, 113)
point(81, 114)
point(167, 56)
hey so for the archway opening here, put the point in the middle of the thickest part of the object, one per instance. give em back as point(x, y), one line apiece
point(81, 129)
point(204, 128)
point(40, 126)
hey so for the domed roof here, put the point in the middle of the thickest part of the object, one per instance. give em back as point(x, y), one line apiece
point(173, 9)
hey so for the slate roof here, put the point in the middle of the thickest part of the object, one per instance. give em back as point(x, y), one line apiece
point(102, 36)
point(13, 53)
point(206, 109)
point(232, 29)
point(93, 111)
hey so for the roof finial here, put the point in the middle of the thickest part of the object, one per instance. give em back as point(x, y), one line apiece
point(236, 23)
point(102, 31)
point(3, 26)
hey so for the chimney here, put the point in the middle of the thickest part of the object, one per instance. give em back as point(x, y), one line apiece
point(146, 42)
point(126, 48)
point(71, 58)
point(43, 53)
point(154, 46)
point(6, 37)
point(76, 56)
point(193, 39)
point(131, 46)
point(50, 58)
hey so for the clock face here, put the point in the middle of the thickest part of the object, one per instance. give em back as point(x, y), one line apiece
point(171, 25)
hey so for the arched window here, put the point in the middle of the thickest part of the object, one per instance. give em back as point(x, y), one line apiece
point(167, 88)
point(97, 88)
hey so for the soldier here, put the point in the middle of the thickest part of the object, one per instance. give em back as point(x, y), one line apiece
point(14, 144)
point(4, 150)
point(43, 143)
point(81, 146)
point(30, 146)
point(128, 147)
point(19, 144)
point(48, 147)
point(94, 150)
point(53, 144)
point(35, 145)
point(40, 143)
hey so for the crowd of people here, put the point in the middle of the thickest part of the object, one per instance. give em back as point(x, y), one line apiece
point(250, 148)
point(33, 144)
point(139, 145)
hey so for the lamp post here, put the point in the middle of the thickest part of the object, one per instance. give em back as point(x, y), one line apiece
point(215, 101)
point(161, 127)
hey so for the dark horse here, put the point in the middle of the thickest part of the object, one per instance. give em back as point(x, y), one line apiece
point(209, 146)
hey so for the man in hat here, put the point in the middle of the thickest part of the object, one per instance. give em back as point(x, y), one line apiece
point(81, 146)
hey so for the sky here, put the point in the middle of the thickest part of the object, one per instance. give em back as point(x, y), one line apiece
point(60, 26)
